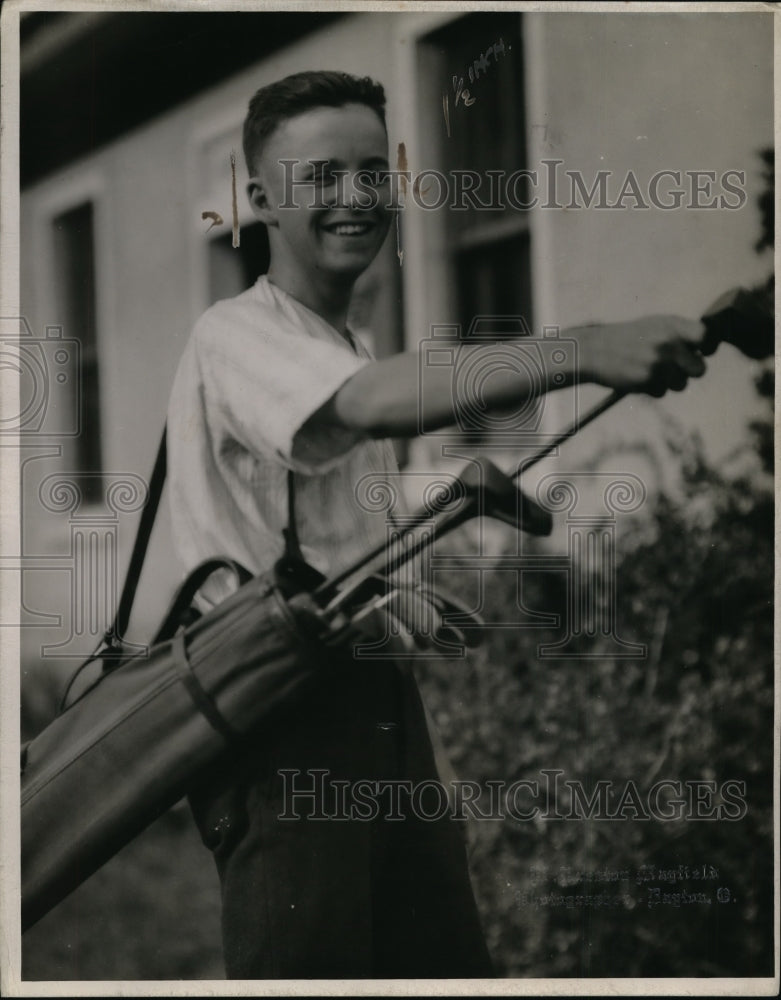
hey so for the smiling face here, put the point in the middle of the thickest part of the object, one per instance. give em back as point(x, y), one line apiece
point(332, 225)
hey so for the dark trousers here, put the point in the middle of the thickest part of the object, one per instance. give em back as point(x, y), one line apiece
point(341, 897)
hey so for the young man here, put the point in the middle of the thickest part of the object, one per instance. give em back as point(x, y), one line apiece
point(273, 383)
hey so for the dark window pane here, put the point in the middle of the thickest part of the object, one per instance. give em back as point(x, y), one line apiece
point(74, 249)
point(494, 280)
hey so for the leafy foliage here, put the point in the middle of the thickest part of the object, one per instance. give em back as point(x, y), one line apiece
point(698, 592)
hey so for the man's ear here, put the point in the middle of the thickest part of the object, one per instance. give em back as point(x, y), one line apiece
point(260, 202)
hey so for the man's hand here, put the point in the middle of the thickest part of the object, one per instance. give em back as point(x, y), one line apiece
point(648, 355)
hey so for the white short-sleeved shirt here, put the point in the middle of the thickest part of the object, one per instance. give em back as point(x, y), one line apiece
point(255, 370)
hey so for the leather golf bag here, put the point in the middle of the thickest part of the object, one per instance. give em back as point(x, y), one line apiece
point(127, 750)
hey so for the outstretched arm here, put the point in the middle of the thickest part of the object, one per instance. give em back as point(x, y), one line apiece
point(388, 399)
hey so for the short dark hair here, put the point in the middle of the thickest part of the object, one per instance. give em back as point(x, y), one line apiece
point(276, 103)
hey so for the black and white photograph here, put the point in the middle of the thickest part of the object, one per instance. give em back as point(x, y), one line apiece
point(387, 460)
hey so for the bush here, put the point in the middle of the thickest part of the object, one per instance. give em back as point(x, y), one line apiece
point(697, 588)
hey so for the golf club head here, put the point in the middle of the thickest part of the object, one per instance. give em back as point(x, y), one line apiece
point(456, 616)
point(494, 494)
point(743, 319)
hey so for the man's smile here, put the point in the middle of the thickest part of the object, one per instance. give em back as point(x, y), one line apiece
point(349, 228)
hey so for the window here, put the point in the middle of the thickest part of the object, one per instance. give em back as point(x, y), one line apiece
point(74, 255)
point(471, 76)
point(483, 132)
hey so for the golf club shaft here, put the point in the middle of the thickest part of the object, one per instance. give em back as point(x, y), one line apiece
point(577, 425)
point(393, 563)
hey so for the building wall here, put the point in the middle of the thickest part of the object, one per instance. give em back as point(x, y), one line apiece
point(617, 92)
point(647, 93)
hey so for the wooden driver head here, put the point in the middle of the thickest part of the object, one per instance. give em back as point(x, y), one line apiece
point(744, 319)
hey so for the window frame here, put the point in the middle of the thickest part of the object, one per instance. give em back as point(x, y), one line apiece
point(50, 201)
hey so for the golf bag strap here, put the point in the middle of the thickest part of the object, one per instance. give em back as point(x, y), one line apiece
point(184, 597)
point(202, 700)
point(118, 627)
point(113, 637)
point(292, 547)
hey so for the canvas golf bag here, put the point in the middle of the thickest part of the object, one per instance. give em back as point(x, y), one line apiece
point(138, 738)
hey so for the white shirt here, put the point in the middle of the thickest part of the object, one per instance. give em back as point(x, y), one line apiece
point(255, 370)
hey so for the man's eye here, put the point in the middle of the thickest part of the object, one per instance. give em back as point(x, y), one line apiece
point(320, 173)
point(375, 178)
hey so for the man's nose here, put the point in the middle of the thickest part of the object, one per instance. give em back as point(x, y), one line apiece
point(350, 193)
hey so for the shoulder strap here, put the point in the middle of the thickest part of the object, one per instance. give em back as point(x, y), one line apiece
point(110, 646)
point(113, 636)
point(292, 572)
point(290, 533)
point(117, 630)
